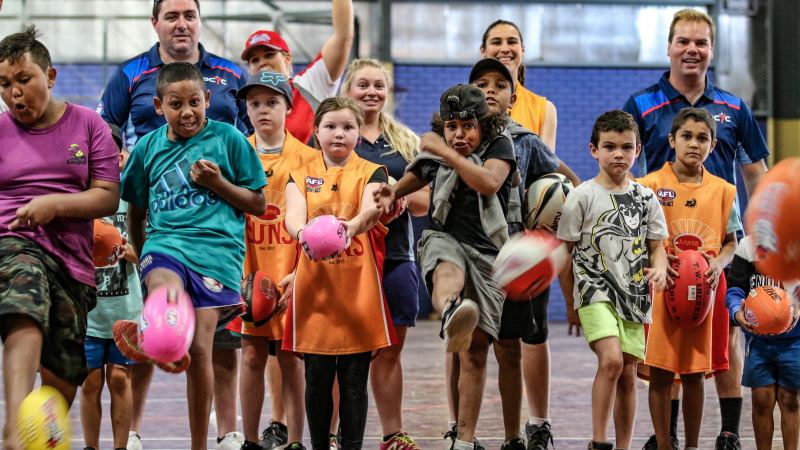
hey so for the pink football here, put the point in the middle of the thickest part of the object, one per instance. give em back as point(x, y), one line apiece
point(168, 324)
point(324, 236)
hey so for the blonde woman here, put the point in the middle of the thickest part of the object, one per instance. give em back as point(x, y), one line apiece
point(388, 142)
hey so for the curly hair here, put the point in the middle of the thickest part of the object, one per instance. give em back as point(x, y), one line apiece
point(491, 125)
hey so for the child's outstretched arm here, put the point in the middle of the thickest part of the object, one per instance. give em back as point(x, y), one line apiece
point(385, 194)
point(370, 211)
point(296, 210)
point(207, 174)
point(657, 272)
point(100, 200)
point(485, 180)
point(137, 219)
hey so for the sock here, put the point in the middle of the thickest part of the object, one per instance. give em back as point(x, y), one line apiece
point(451, 424)
point(463, 445)
point(673, 420)
point(389, 436)
point(538, 421)
point(731, 411)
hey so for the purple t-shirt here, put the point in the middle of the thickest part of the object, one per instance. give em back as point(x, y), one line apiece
point(61, 159)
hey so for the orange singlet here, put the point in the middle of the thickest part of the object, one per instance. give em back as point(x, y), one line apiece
point(529, 109)
point(338, 306)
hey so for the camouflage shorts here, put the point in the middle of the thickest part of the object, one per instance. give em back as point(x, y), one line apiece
point(34, 285)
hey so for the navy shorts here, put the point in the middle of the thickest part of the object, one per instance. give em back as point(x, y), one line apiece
point(205, 292)
point(526, 320)
point(771, 361)
point(100, 352)
point(401, 285)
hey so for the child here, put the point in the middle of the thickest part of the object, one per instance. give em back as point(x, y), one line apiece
point(193, 179)
point(613, 228)
point(338, 314)
point(59, 171)
point(120, 298)
point(271, 250)
point(698, 207)
point(520, 320)
point(471, 165)
point(384, 140)
point(772, 363)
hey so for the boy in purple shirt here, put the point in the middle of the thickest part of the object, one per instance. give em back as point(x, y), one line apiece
point(58, 171)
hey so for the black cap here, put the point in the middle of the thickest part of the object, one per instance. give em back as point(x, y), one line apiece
point(116, 134)
point(273, 80)
point(490, 65)
point(463, 101)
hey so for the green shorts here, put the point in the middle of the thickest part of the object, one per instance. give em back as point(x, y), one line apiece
point(32, 284)
point(600, 320)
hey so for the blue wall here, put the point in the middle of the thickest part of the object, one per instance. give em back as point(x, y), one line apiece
point(580, 95)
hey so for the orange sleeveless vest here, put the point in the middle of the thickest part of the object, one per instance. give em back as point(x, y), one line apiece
point(529, 109)
point(338, 306)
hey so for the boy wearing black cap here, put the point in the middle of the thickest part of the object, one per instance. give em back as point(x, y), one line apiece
point(119, 298)
point(270, 250)
point(470, 165)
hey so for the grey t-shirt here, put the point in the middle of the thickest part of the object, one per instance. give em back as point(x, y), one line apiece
point(610, 230)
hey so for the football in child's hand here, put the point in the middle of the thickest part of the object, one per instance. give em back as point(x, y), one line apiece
point(528, 263)
point(323, 236)
point(771, 219)
point(108, 245)
point(768, 310)
point(689, 300)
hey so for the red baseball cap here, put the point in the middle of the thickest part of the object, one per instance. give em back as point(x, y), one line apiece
point(264, 38)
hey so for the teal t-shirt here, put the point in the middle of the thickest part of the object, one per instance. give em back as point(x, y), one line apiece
point(119, 295)
point(186, 221)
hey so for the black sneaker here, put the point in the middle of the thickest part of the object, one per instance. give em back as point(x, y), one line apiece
point(594, 445)
point(251, 446)
point(538, 436)
point(727, 441)
point(451, 434)
point(296, 446)
point(652, 444)
point(275, 435)
point(514, 444)
point(458, 322)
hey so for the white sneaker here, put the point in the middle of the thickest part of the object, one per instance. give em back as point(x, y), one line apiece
point(134, 441)
point(458, 323)
point(231, 441)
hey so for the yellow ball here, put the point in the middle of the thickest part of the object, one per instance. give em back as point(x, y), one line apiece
point(43, 420)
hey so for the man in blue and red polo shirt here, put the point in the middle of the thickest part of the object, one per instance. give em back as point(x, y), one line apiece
point(690, 50)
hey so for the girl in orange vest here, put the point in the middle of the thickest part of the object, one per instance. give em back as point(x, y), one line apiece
point(700, 216)
point(338, 316)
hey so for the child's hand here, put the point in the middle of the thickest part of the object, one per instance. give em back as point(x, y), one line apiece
point(286, 287)
point(574, 322)
point(433, 143)
point(350, 228)
point(39, 211)
point(384, 196)
point(742, 321)
point(672, 274)
point(396, 209)
point(714, 270)
point(206, 174)
point(657, 277)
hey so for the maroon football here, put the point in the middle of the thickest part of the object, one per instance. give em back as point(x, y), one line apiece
point(689, 299)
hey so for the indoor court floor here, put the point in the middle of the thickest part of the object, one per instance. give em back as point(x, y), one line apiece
point(165, 424)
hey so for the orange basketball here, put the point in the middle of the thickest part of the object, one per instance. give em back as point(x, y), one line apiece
point(108, 248)
point(768, 309)
point(773, 221)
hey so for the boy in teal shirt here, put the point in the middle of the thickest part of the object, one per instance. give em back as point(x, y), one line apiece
point(197, 178)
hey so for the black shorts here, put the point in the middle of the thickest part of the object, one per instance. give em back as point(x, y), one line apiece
point(526, 320)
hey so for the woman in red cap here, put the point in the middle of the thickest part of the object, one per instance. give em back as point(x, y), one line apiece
point(266, 50)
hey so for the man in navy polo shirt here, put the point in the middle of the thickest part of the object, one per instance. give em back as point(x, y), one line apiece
point(690, 50)
point(130, 91)
point(128, 103)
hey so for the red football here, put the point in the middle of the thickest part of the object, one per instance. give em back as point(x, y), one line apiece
point(528, 263)
point(689, 299)
point(260, 297)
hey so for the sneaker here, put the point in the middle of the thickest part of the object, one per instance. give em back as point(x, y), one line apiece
point(231, 441)
point(134, 441)
point(514, 444)
point(451, 434)
point(126, 337)
point(458, 323)
point(400, 441)
point(727, 441)
point(295, 446)
point(247, 445)
point(333, 442)
point(594, 445)
point(275, 435)
point(538, 436)
point(652, 444)
point(476, 444)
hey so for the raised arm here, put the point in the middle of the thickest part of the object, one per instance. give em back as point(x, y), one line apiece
point(207, 174)
point(485, 180)
point(368, 216)
point(336, 50)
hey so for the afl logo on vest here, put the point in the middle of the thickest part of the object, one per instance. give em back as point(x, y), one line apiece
point(665, 196)
point(314, 184)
